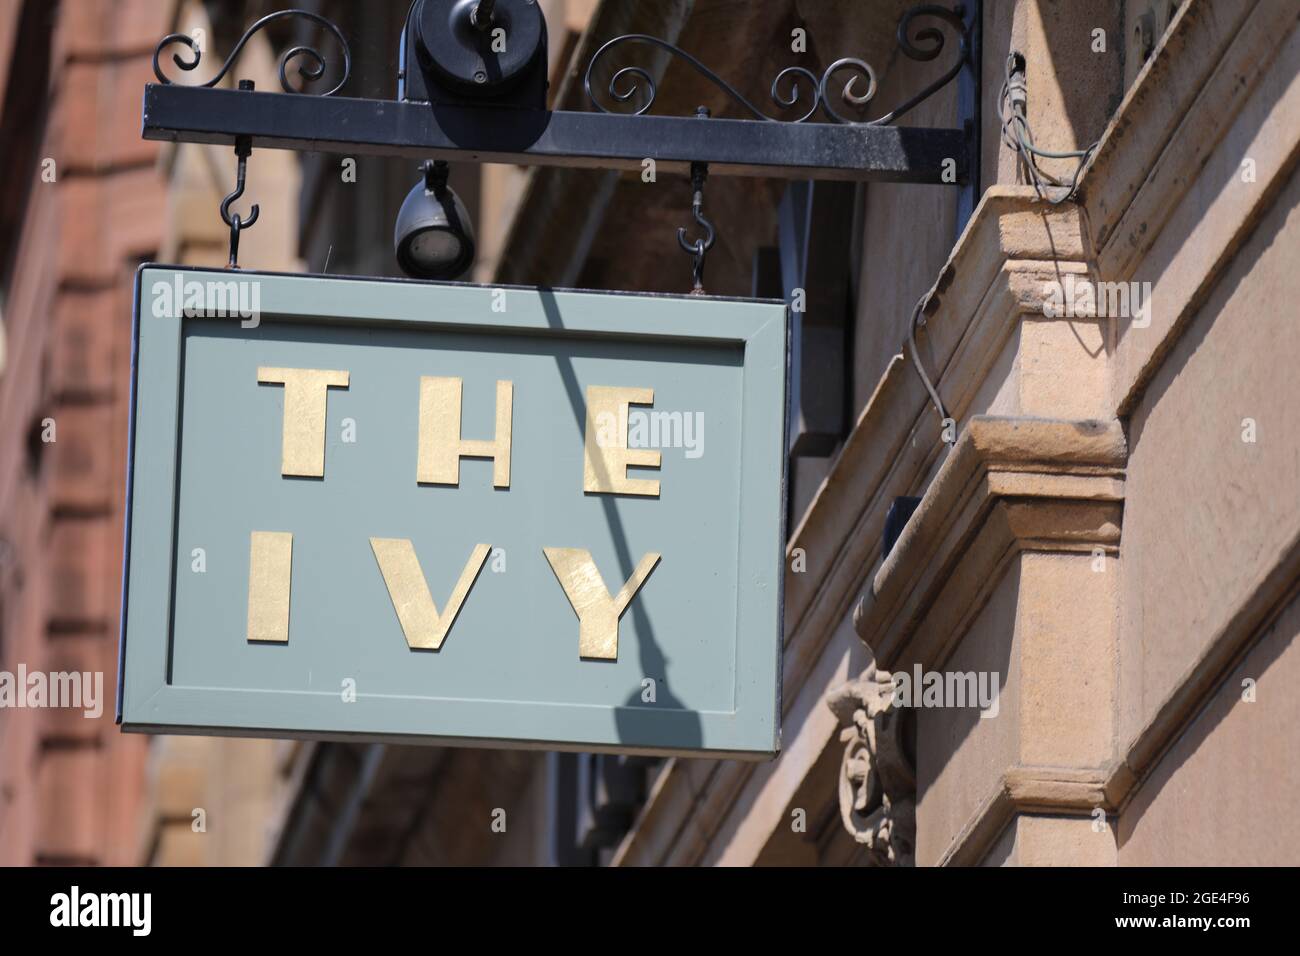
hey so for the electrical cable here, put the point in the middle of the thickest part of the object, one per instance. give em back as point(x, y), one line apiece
point(912, 325)
point(1018, 137)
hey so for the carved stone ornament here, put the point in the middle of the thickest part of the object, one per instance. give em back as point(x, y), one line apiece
point(877, 776)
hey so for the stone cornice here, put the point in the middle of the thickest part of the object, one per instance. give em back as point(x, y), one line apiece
point(1009, 485)
point(995, 273)
point(1051, 790)
point(1166, 198)
point(1150, 118)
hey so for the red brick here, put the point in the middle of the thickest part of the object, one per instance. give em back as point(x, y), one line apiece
point(82, 231)
point(120, 142)
point(72, 789)
point(75, 121)
point(140, 24)
point(69, 816)
point(101, 28)
point(136, 211)
point(82, 466)
point(86, 655)
point(83, 581)
point(96, 124)
point(83, 29)
point(86, 363)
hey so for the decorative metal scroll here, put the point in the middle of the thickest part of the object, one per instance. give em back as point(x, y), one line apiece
point(312, 69)
point(926, 43)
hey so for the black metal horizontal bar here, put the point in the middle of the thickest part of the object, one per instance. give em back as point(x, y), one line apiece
point(539, 138)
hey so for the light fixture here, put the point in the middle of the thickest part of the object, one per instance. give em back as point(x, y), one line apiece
point(468, 52)
point(433, 238)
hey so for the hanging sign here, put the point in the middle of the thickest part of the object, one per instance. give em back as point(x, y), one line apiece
point(406, 511)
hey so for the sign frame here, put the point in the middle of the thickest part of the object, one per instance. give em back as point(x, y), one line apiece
point(148, 701)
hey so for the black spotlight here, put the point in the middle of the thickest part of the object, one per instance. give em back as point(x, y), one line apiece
point(433, 238)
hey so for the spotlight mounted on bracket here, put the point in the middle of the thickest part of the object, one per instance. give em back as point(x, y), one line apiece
point(474, 53)
point(433, 238)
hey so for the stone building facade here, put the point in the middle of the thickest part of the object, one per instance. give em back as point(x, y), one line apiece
point(1048, 451)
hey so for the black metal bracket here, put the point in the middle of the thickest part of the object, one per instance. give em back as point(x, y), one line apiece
point(453, 124)
point(472, 86)
point(542, 138)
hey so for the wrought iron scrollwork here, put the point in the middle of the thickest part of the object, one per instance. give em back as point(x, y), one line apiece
point(923, 44)
point(312, 69)
point(639, 75)
point(928, 44)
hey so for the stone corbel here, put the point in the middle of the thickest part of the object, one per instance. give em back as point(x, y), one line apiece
point(1009, 485)
point(877, 784)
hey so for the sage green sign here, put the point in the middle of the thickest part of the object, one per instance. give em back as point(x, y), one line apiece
point(420, 512)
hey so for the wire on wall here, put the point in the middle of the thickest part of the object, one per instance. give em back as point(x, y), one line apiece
point(1018, 137)
point(918, 320)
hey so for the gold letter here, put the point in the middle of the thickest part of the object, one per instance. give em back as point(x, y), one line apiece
point(605, 463)
point(441, 447)
point(422, 625)
point(270, 557)
point(303, 445)
point(598, 614)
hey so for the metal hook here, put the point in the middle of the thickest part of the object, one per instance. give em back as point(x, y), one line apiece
point(697, 249)
point(243, 149)
point(233, 263)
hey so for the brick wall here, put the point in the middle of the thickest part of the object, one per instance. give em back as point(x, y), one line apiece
point(71, 788)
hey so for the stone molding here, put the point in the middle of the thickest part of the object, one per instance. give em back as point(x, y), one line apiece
point(1009, 485)
point(1219, 65)
point(1027, 790)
